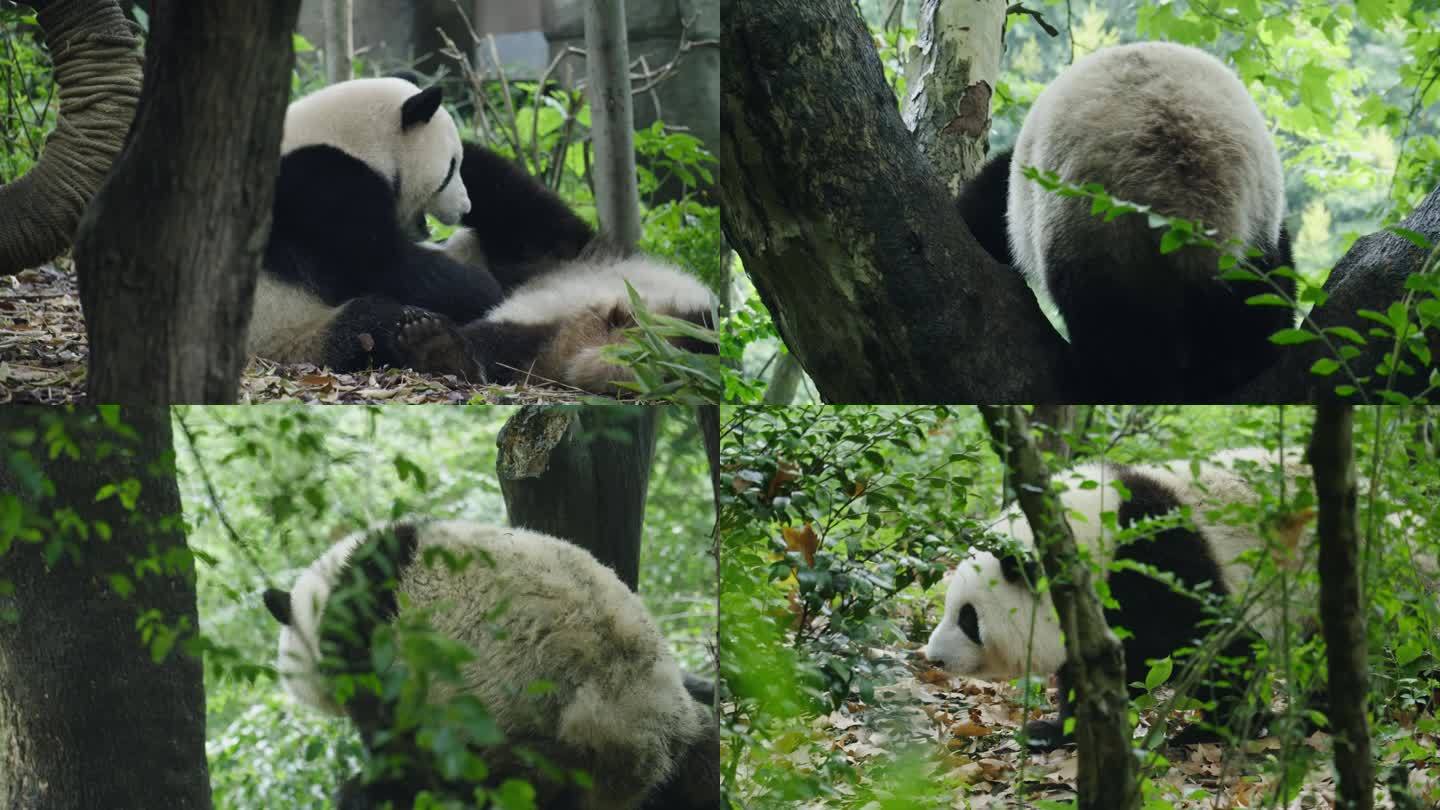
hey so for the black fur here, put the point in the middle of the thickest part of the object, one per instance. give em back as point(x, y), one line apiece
point(1154, 343)
point(421, 107)
point(982, 204)
point(1161, 620)
point(278, 603)
point(335, 236)
point(509, 349)
point(520, 223)
point(1161, 342)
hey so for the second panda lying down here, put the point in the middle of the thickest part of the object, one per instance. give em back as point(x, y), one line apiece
point(533, 609)
point(524, 291)
point(990, 602)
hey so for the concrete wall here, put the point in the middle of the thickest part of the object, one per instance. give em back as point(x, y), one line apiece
point(531, 32)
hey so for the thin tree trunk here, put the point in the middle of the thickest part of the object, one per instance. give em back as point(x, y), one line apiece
point(339, 17)
point(708, 417)
point(949, 80)
point(1341, 604)
point(88, 719)
point(582, 474)
point(612, 119)
point(784, 380)
point(1058, 422)
point(1108, 777)
point(168, 250)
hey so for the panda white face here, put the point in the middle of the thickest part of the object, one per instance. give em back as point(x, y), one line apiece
point(402, 132)
point(986, 626)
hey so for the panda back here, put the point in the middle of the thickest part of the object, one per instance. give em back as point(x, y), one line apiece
point(538, 609)
point(1155, 123)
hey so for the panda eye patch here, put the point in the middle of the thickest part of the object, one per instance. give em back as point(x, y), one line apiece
point(449, 175)
point(969, 622)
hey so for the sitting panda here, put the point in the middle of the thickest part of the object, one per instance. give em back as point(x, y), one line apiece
point(342, 283)
point(985, 630)
point(533, 609)
point(564, 286)
point(1170, 127)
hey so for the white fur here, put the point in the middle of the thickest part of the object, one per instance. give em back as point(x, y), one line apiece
point(1004, 610)
point(464, 246)
point(299, 655)
point(1085, 126)
point(583, 287)
point(361, 117)
point(533, 608)
point(287, 324)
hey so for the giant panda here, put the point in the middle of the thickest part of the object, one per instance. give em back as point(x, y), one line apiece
point(564, 285)
point(534, 609)
point(1170, 127)
point(342, 283)
point(990, 602)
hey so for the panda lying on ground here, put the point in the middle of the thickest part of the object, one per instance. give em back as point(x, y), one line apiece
point(990, 601)
point(564, 286)
point(343, 285)
point(533, 609)
point(1173, 128)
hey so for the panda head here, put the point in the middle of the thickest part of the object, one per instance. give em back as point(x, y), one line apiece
point(986, 626)
point(402, 132)
point(299, 612)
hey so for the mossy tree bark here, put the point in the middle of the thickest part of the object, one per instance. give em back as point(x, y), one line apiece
point(1341, 604)
point(581, 474)
point(169, 248)
point(88, 718)
point(1108, 777)
point(875, 283)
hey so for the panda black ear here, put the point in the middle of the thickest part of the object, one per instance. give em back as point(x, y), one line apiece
point(1017, 569)
point(420, 108)
point(278, 602)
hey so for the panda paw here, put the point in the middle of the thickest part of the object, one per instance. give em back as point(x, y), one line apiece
point(433, 345)
point(1045, 735)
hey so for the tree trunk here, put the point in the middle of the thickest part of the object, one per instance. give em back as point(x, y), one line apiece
point(856, 248)
point(1058, 423)
point(168, 250)
point(88, 719)
point(612, 119)
point(708, 417)
point(852, 240)
point(1108, 777)
point(949, 80)
point(1341, 605)
point(339, 18)
point(97, 68)
point(784, 380)
point(582, 474)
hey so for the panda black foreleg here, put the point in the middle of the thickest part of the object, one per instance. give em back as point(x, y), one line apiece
point(1046, 734)
point(373, 331)
point(1126, 343)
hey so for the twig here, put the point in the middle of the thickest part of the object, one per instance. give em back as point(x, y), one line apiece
point(246, 551)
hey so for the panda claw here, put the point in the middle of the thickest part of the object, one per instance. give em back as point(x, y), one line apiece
point(433, 345)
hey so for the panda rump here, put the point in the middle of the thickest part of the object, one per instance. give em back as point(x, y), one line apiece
point(1170, 127)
